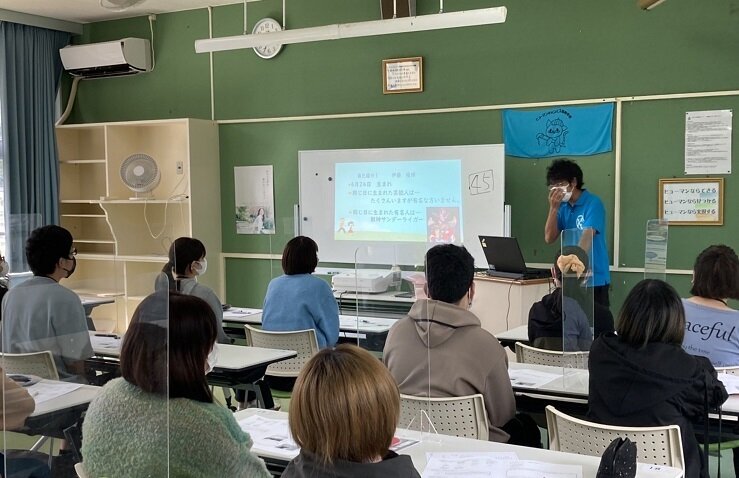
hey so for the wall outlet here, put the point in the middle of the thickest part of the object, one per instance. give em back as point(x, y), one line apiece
point(180, 167)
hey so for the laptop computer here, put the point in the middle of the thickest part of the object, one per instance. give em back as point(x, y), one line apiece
point(505, 259)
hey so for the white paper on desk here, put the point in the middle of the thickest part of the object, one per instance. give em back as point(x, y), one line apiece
point(731, 383)
point(272, 435)
point(46, 390)
point(526, 378)
point(494, 465)
point(111, 343)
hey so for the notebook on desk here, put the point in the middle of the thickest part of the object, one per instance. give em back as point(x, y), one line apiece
point(505, 259)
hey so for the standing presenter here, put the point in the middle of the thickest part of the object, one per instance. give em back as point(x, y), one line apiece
point(572, 207)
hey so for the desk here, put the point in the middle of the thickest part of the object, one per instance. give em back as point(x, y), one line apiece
point(51, 417)
point(371, 332)
point(503, 304)
point(445, 443)
point(237, 366)
point(571, 385)
point(235, 318)
point(89, 302)
point(509, 338)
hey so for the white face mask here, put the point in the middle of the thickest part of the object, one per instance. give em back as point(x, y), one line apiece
point(201, 267)
point(212, 359)
point(568, 194)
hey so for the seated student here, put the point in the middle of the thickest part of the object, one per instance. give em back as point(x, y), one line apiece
point(298, 300)
point(642, 377)
point(41, 314)
point(186, 262)
point(16, 405)
point(343, 414)
point(546, 316)
point(710, 324)
point(159, 419)
point(465, 359)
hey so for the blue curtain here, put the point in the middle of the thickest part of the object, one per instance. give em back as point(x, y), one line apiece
point(30, 68)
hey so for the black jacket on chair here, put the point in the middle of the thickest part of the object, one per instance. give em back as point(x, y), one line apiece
point(659, 384)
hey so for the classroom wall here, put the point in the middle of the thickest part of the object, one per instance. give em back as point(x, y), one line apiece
point(546, 51)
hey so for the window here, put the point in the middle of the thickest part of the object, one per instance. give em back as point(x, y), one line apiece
point(2, 185)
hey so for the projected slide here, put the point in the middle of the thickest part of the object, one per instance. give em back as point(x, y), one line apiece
point(405, 201)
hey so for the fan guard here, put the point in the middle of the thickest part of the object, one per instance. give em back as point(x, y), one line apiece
point(140, 173)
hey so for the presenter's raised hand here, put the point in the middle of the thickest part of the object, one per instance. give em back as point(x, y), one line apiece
point(555, 197)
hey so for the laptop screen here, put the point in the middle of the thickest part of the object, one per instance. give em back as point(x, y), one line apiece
point(503, 254)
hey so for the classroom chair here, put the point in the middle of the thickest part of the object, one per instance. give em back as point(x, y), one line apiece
point(655, 445)
point(457, 416)
point(40, 364)
point(79, 468)
point(304, 342)
point(528, 354)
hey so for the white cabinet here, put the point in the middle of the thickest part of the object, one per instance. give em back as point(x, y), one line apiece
point(122, 241)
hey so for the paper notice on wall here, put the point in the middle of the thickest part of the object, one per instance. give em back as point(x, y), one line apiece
point(708, 142)
point(255, 200)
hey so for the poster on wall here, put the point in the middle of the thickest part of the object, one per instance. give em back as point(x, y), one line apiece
point(255, 200)
point(708, 142)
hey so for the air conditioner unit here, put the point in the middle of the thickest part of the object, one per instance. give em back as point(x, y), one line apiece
point(128, 56)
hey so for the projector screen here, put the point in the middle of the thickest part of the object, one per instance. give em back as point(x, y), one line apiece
point(401, 201)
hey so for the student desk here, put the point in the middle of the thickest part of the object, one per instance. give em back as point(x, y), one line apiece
point(568, 392)
point(237, 366)
point(509, 338)
point(371, 332)
point(51, 417)
point(235, 317)
point(445, 443)
point(89, 302)
point(503, 304)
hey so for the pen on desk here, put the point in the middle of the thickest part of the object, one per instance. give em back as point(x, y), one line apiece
point(113, 336)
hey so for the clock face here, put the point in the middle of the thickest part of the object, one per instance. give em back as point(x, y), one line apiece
point(267, 25)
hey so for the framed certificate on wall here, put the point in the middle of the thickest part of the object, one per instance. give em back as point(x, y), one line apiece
point(402, 75)
point(692, 201)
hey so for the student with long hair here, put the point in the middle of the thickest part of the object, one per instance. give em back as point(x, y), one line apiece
point(159, 419)
point(186, 262)
point(710, 328)
point(642, 377)
point(344, 410)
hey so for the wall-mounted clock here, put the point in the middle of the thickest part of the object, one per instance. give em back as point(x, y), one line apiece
point(267, 25)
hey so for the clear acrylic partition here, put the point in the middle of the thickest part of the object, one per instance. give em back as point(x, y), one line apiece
point(378, 291)
point(574, 268)
point(655, 249)
point(411, 259)
point(14, 236)
point(48, 366)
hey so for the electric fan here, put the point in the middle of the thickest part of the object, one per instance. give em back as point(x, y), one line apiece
point(140, 173)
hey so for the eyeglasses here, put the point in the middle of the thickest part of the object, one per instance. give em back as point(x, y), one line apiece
point(72, 253)
point(559, 185)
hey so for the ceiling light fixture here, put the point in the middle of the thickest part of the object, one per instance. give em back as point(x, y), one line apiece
point(119, 5)
point(648, 4)
point(436, 21)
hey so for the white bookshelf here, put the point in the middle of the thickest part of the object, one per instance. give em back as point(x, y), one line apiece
point(122, 243)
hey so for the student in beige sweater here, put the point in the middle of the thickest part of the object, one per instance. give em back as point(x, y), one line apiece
point(441, 347)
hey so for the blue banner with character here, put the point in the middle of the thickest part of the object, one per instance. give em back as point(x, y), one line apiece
point(558, 131)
